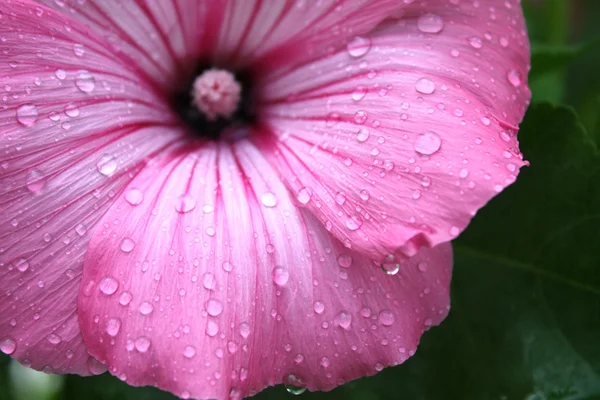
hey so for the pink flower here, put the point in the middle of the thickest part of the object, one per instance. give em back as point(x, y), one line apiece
point(213, 236)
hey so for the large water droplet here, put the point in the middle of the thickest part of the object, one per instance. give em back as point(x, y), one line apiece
point(345, 260)
point(514, 77)
point(27, 114)
point(125, 298)
point(112, 326)
point(344, 320)
point(319, 307)
point(212, 328)
point(386, 318)
point(85, 81)
point(53, 338)
point(362, 135)
point(134, 196)
point(390, 268)
point(8, 345)
point(142, 344)
point(268, 199)
point(36, 181)
point(189, 351)
point(304, 196)
point(359, 46)
point(185, 203)
point(427, 143)
point(244, 330)
point(425, 86)
point(108, 285)
point(107, 165)
point(280, 275)
point(430, 23)
point(214, 307)
point(359, 93)
point(146, 308)
point(22, 264)
point(353, 222)
point(127, 245)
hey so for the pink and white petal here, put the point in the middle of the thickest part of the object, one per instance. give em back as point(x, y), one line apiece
point(396, 144)
point(69, 143)
point(217, 286)
point(266, 35)
point(152, 36)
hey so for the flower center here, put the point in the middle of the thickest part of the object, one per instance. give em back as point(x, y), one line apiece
point(216, 104)
point(216, 93)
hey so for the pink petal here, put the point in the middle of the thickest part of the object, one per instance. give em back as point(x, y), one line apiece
point(397, 140)
point(217, 285)
point(70, 141)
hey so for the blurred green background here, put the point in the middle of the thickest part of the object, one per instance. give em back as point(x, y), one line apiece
point(525, 318)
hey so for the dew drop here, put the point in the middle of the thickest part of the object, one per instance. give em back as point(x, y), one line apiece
point(362, 135)
point(60, 74)
point(476, 42)
point(22, 264)
point(8, 345)
point(427, 143)
point(125, 298)
point(107, 165)
point(108, 285)
point(71, 110)
point(359, 46)
point(344, 320)
point(244, 330)
point(185, 203)
point(430, 23)
point(78, 49)
point(390, 268)
point(268, 199)
point(127, 245)
point(318, 307)
point(345, 260)
point(146, 308)
point(112, 326)
point(134, 196)
point(208, 281)
point(304, 195)
point(514, 77)
point(214, 307)
point(353, 222)
point(212, 328)
point(425, 86)
point(27, 114)
point(142, 344)
point(386, 318)
point(280, 275)
point(189, 351)
point(359, 93)
point(53, 338)
point(85, 82)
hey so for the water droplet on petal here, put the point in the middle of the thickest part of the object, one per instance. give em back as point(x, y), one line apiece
point(125, 298)
point(244, 330)
point(8, 345)
point(514, 77)
point(425, 86)
point(362, 135)
point(209, 281)
point(353, 222)
point(189, 351)
point(53, 338)
point(268, 199)
point(427, 143)
point(214, 307)
point(304, 196)
point(386, 318)
point(359, 46)
point(185, 203)
point(430, 23)
point(22, 264)
point(146, 308)
point(112, 326)
point(212, 328)
point(359, 93)
point(476, 42)
point(390, 268)
point(142, 344)
point(85, 82)
point(345, 260)
point(127, 245)
point(134, 196)
point(27, 114)
point(344, 320)
point(280, 275)
point(108, 285)
point(36, 181)
point(107, 165)
point(319, 307)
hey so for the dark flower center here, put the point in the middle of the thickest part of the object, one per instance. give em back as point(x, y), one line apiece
point(216, 103)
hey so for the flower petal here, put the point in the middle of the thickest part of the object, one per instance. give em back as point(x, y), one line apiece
point(70, 141)
point(396, 141)
point(217, 286)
